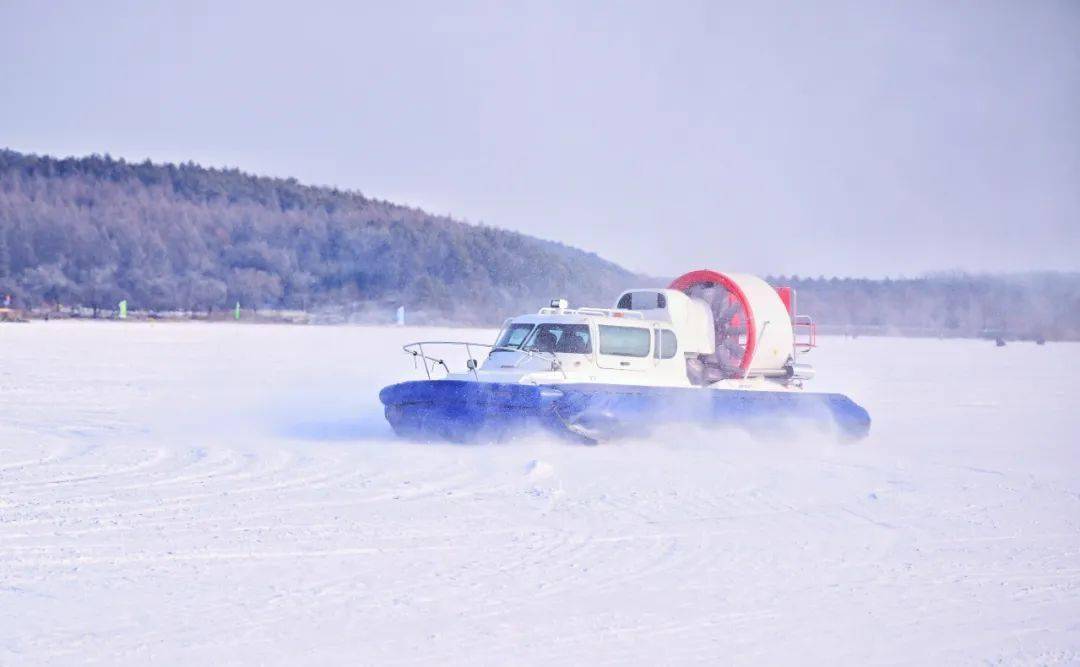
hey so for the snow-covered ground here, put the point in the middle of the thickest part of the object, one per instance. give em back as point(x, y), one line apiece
point(230, 493)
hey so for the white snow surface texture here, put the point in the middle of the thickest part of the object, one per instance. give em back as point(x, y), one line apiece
point(230, 493)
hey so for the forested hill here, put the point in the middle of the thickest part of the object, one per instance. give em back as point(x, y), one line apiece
point(91, 231)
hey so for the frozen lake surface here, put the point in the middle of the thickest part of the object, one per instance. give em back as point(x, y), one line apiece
point(229, 493)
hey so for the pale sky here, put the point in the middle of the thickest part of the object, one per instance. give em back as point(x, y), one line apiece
point(861, 138)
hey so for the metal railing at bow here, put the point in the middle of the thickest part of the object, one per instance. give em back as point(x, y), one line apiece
point(416, 349)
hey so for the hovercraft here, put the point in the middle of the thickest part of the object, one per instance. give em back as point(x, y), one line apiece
point(713, 348)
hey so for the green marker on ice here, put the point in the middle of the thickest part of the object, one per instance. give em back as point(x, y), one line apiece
point(123, 309)
point(236, 313)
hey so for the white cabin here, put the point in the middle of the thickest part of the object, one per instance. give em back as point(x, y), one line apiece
point(709, 329)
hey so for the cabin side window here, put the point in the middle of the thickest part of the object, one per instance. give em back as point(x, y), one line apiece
point(624, 341)
point(514, 335)
point(642, 301)
point(564, 338)
point(665, 344)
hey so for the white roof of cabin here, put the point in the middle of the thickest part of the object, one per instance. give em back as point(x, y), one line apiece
point(575, 316)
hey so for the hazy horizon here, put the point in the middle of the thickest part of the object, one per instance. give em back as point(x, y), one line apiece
point(931, 273)
point(839, 140)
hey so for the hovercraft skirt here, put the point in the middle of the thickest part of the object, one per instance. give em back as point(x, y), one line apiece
point(464, 411)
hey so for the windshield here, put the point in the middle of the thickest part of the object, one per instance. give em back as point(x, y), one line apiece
point(514, 335)
point(565, 338)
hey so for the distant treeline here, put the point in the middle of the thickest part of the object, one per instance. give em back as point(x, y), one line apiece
point(91, 231)
point(1032, 305)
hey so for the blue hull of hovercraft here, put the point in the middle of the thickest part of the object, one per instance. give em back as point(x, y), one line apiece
point(462, 411)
